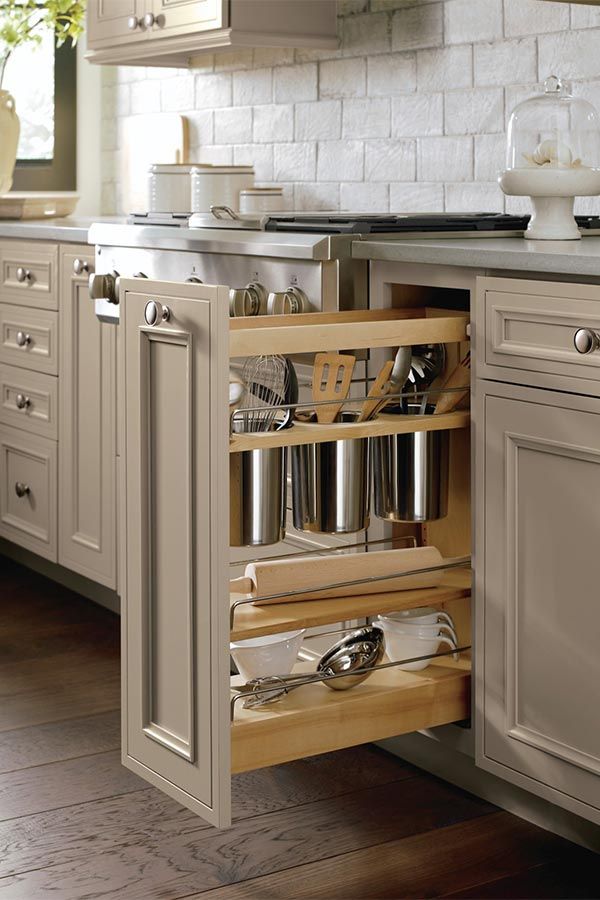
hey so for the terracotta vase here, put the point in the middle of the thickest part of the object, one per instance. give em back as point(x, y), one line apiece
point(9, 139)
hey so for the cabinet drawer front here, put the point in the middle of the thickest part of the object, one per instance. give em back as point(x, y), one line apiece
point(28, 466)
point(530, 326)
point(29, 400)
point(28, 273)
point(29, 338)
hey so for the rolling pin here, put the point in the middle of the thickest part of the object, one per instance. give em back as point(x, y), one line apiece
point(263, 579)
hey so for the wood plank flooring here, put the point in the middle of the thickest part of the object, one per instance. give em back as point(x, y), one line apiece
point(76, 825)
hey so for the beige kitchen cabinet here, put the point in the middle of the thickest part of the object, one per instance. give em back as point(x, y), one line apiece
point(174, 32)
point(87, 433)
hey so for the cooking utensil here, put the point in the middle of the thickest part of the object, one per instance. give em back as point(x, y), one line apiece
point(266, 379)
point(379, 389)
point(269, 577)
point(400, 372)
point(268, 654)
point(427, 363)
point(236, 388)
point(458, 378)
point(332, 376)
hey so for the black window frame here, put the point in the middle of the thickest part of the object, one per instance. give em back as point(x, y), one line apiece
point(59, 173)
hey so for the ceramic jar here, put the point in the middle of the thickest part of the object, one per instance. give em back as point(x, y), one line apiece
point(9, 138)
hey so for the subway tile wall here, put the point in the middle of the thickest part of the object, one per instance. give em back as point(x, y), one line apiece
point(409, 113)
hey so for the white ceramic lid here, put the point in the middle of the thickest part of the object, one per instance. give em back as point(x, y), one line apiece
point(262, 191)
point(208, 169)
point(171, 168)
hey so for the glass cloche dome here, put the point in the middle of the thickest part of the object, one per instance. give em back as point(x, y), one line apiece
point(553, 155)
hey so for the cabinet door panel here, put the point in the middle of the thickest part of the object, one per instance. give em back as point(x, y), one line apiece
point(539, 598)
point(107, 21)
point(189, 16)
point(87, 517)
point(175, 627)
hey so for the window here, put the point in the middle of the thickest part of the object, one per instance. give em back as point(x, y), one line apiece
point(42, 79)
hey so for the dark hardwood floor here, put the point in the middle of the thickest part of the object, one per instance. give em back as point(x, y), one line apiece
point(76, 825)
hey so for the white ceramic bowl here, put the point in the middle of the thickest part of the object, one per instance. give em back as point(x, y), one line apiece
point(421, 615)
point(272, 654)
point(401, 646)
point(416, 629)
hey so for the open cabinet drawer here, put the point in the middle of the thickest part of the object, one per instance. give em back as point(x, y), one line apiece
point(177, 732)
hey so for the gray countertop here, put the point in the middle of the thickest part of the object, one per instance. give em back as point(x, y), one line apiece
point(73, 229)
point(560, 257)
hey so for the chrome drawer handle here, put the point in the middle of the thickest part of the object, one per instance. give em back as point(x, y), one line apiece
point(80, 266)
point(24, 275)
point(22, 401)
point(155, 312)
point(149, 20)
point(23, 339)
point(133, 22)
point(22, 490)
point(586, 340)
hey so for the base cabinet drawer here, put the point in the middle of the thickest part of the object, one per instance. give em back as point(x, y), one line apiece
point(29, 338)
point(29, 400)
point(28, 491)
point(29, 273)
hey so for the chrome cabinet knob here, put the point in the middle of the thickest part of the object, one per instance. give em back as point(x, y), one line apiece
point(586, 340)
point(246, 301)
point(24, 275)
point(105, 287)
point(23, 339)
point(288, 302)
point(21, 489)
point(22, 401)
point(80, 266)
point(193, 279)
point(155, 312)
point(149, 20)
point(133, 22)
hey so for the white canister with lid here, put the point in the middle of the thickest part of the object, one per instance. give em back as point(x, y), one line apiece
point(169, 187)
point(261, 199)
point(219, 186)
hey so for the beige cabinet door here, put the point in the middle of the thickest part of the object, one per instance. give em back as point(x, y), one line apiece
point(538, 601)
point(87, 432)
point(111, 21)
point(175, 638)
point(189, 16)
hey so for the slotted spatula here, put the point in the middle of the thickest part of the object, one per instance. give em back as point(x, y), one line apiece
point(459, 378)
point(332, 375)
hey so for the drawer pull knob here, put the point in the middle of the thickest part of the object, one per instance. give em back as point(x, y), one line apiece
point(80, 266)
point(24, 275)
point(133, 22)
point(149, 20)
point(155, 312)
point(586, 340)
point(22, 490)
point(23, 339)
point(23, 402)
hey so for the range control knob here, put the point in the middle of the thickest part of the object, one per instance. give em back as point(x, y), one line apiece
point(285, 303)
point(105, 287)
point(247, 301)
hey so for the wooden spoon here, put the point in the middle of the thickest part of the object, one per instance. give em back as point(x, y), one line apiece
point(331, 381)
point(380, 388)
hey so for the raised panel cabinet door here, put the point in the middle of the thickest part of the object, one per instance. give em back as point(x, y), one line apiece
point(188, 16)
point(538, 603)
point(116, 21)
point(87, 431)
point(175, 638)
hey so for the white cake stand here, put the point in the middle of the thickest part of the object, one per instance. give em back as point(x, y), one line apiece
point(552, 191)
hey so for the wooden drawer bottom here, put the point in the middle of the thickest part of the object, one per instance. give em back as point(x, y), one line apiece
point(314, 719)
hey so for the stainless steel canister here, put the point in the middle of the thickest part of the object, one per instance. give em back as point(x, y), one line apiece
point(330, 485)
point(257, 497)
point(410, 474)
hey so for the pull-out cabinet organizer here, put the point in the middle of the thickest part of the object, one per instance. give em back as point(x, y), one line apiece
point(177, 618)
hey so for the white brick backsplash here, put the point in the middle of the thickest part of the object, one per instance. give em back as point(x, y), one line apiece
point(295, 83)
point(584, 17)
point(366, 118)
point(475, 111)
point(145, 97)
point(366, 35)
point(351, 7)
point(416, 197)
point(317, 196)
point(390, 161)
point(201, 128)
point(507, 62)
point(319, 121)
point(233, 126)
point(394, 74)
point(264, 57)
point(473, 197)
point(258, 155)
point(445, 159)
point(343, 78)
point(295, 162)
point(213, 91)
point(253, 87)
point(439, 70)
point(417, 27)
point(573, 54)
point(415, 115)
point(340, 161)
point(364, 197)
point(490, 156)
point(216, 154)
point(273, 123)
point(230, 60)
point(177, 93)
point(466, 21)
point(534, 17)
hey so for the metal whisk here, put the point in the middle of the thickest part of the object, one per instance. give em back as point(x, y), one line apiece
point(267, 382)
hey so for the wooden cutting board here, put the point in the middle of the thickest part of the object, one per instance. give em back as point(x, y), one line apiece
point(148, 139)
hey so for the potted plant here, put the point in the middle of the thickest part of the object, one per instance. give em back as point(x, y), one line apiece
point(23, 22)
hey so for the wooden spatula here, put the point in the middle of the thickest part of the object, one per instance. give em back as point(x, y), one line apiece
point(376, 396)
point(459, 377)
point(332, 375)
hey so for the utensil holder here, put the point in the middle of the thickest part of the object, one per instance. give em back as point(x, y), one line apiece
point(410, 474)
point(257, 497)
point(330, 485)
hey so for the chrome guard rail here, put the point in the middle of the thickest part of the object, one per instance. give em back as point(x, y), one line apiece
point(409, 538)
